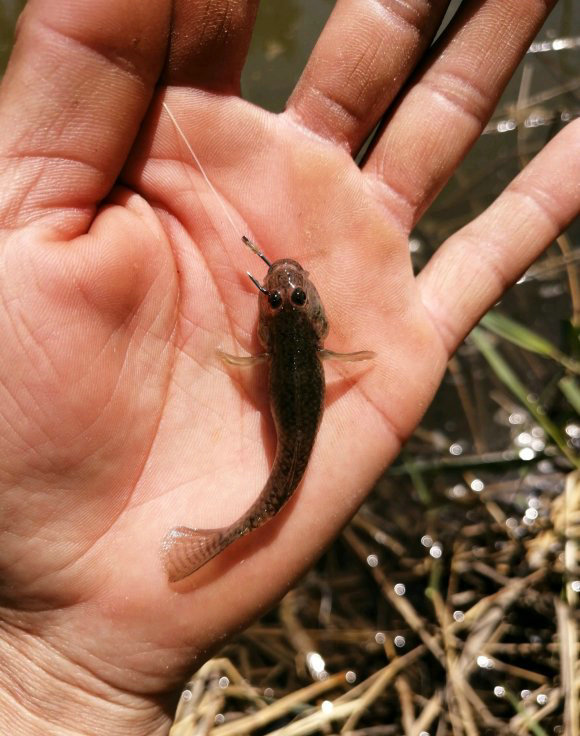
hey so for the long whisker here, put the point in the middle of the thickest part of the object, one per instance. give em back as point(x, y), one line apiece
point(254, 248)
point(198, 163)
point(258, 284)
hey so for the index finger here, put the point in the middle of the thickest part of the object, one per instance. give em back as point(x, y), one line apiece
point(76, 89)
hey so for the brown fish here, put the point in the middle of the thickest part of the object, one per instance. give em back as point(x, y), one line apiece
point(292, 327)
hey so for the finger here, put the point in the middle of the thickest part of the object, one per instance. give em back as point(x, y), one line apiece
point(209, 43)
point(76, 89)
point(473, 268)
point(364, 54)
point(445, 110)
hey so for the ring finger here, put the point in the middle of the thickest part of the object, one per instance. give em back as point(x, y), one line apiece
point(446, 108)
point(360, 62)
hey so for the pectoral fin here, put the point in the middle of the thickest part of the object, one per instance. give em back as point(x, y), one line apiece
point(347, 357)
point(244, 361)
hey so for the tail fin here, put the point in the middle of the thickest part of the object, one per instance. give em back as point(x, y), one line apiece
point(185, 550)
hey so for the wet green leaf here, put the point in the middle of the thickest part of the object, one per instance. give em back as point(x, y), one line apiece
point(517, 334)
point(569, 387)
point(481, 339)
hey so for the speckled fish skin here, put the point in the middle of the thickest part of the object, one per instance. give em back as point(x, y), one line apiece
point(292, 335)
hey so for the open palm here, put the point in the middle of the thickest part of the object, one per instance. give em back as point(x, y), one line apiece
point(117, 420)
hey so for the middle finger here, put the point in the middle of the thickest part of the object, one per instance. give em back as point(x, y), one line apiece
point(209, 43)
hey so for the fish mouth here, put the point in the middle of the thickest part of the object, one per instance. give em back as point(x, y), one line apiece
point(286, 264)
point(285, 274)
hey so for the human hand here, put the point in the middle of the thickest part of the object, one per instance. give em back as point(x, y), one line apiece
point(117, 420)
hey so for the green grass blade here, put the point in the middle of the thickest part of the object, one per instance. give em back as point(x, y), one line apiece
point(571, 391)
point(530, 724)
point(503, 371)
point(417, 480)
point(527, 339)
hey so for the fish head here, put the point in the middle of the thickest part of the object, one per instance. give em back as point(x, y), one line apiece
point(287, 289)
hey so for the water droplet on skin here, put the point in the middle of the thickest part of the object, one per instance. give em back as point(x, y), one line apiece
point(223, 682)
point(350, 677)
point(458, 616)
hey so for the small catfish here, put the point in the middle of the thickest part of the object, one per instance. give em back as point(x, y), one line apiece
point(292, 327)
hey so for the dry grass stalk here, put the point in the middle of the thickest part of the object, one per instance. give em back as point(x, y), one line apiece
point(416, 623)
point(378, 685)
point(279, 708)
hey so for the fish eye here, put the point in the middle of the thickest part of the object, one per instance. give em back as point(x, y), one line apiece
point(298, 296)
point(275, 299)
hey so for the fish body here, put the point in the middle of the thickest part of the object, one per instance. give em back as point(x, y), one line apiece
point(292, 335)
point(292, 326)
